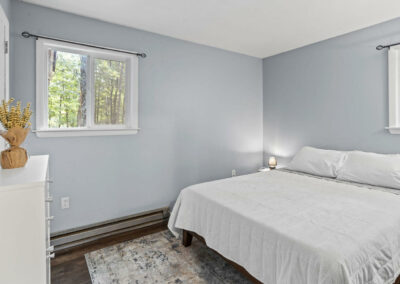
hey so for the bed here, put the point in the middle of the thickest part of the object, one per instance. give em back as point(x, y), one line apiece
point(288, 227)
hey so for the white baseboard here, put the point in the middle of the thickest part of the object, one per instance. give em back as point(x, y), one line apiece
point(74, 237)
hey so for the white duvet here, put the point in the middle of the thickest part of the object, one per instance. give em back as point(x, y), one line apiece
point(286, 227)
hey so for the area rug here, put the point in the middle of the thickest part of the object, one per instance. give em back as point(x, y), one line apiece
point(160, 258)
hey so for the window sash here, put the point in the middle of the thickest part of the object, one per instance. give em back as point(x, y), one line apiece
point(131, 83)
point(93, 96)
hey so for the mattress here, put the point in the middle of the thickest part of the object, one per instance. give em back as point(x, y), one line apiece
point(285, 227)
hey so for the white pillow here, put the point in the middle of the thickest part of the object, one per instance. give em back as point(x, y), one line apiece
point(318, 162)
point(371, 168)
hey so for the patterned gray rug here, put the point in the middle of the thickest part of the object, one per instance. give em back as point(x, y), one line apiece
point(160, 258)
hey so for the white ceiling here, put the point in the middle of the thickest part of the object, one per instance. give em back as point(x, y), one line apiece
point(259, 28)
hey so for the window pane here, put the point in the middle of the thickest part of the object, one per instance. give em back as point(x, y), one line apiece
point(109, 88)
point(66, 89)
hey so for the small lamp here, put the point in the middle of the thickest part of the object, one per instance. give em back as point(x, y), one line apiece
point(272, 163)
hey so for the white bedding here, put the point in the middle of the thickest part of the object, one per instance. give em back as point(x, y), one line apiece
point(285, 227)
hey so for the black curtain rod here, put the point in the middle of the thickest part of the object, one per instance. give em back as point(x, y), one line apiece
point(380, 47)
point(28, 35)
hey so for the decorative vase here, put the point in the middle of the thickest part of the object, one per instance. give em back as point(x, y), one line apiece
point(15, 156)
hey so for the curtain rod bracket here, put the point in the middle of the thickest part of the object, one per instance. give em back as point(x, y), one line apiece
point(26, 34)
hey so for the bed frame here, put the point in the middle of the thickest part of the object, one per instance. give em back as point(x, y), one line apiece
point(187, 237)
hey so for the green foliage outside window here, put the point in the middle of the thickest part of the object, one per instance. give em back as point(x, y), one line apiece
point(109, 92)
point(64, 89)
point(68, 90)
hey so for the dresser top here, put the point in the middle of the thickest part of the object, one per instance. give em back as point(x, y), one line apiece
point(34, 171)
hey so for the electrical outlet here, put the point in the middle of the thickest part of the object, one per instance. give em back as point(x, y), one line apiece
point(233, 172)
point(64, 202)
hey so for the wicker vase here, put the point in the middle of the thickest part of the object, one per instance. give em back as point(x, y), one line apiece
point(15, 156)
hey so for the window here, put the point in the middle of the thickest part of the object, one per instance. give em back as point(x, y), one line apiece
point(84, 91)
point(394, 89)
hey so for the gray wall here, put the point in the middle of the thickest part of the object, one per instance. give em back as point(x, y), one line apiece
point(200, 114)
point(332, 94)
point(6, 4)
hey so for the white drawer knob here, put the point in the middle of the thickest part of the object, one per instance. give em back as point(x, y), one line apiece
point(52, 255)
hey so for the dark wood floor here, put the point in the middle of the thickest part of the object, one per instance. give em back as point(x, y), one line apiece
point(69, 266)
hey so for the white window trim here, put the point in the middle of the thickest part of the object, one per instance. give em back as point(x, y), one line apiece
point(131, 103)
point(4, 20)
point(394, 89)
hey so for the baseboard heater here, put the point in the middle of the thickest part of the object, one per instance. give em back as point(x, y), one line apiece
point(78, 236)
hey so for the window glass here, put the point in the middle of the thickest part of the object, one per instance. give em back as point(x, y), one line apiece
point(109, 91)
point(67, 89)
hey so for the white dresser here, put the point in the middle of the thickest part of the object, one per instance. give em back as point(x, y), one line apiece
point(25, 250)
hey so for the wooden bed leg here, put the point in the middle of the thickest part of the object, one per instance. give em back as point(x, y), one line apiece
point(186, 238)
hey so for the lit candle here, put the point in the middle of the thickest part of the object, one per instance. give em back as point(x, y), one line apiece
point(272, 163)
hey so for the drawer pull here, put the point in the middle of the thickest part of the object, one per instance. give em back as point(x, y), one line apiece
point(50, 249)
point(51, 255)
point(49, 199)
point(50, 218)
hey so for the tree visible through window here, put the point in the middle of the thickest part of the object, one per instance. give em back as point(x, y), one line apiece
point(109, 88)
point(67, 90)
point(85, 90)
